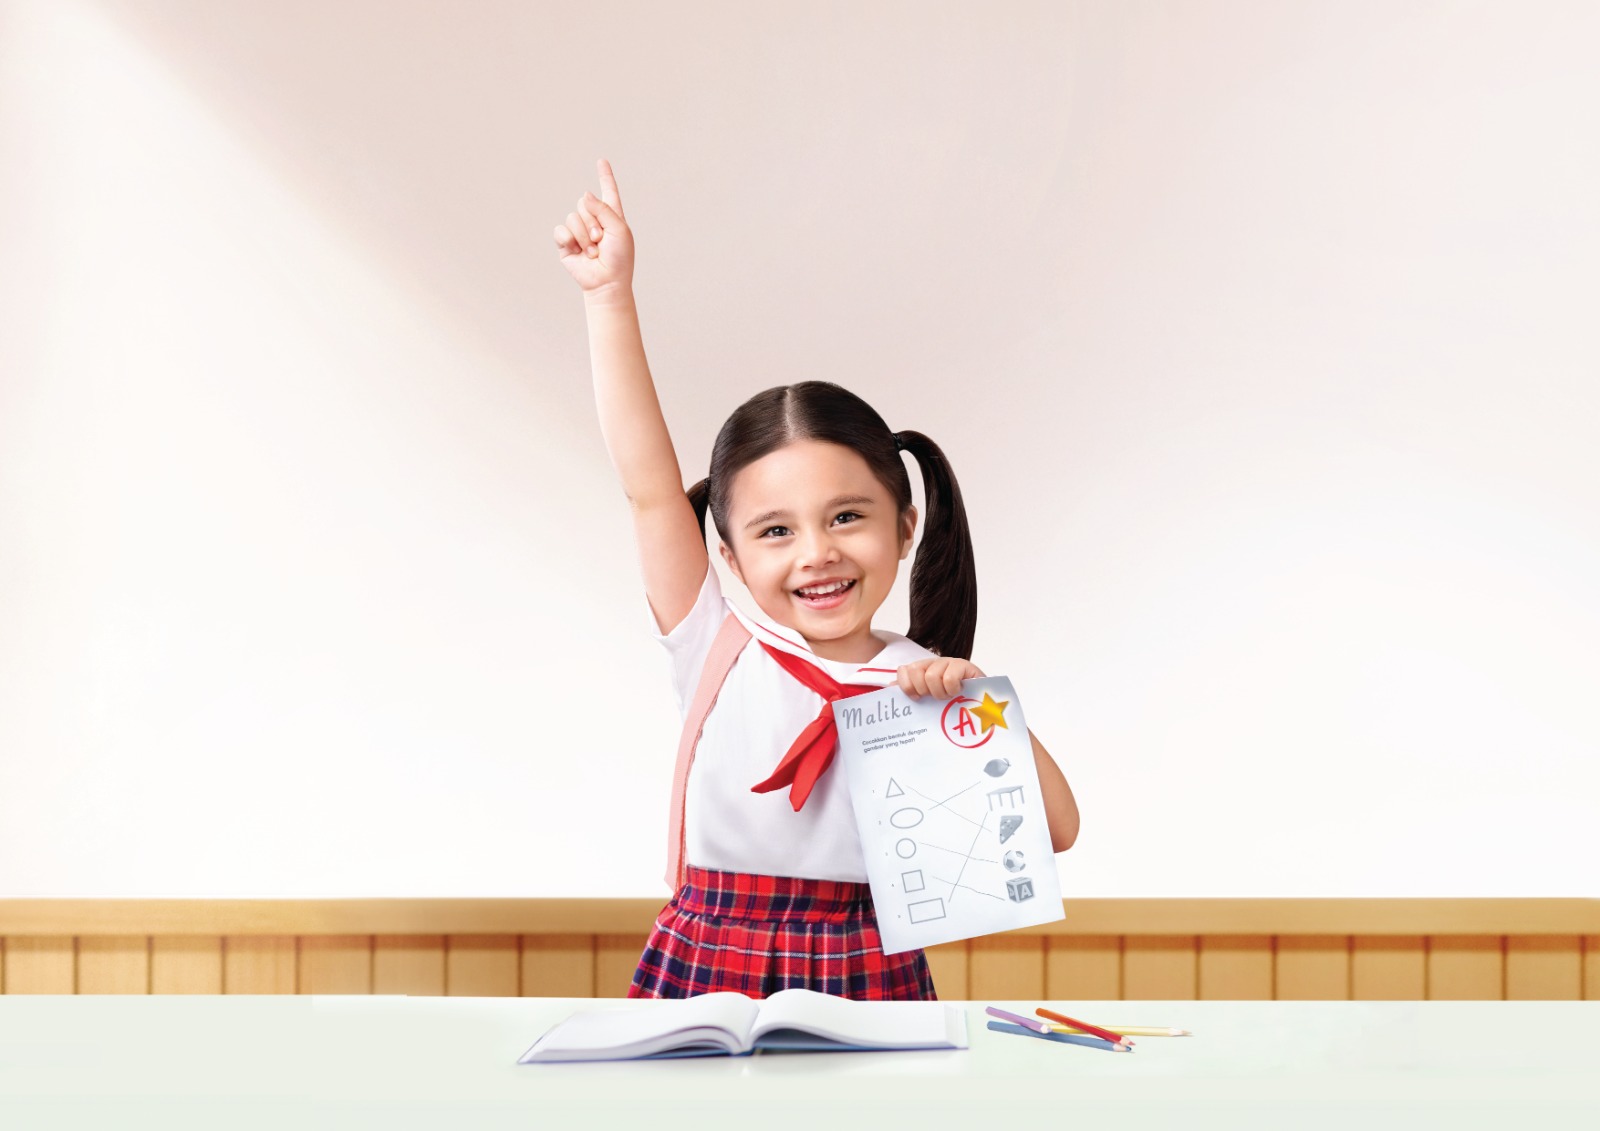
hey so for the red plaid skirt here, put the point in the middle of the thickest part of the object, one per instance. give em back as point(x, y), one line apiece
point(757, 935)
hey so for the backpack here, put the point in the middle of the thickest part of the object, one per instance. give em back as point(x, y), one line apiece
point(725, 648)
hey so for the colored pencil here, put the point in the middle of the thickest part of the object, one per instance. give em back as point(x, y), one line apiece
point(1133, 1030)
point(1064, 1038)
point(1103, 1034)
point(1036, 1026)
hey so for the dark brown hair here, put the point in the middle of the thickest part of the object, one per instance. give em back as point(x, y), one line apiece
point(944, 584)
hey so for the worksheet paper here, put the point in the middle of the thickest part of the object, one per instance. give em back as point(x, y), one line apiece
point(946, 797)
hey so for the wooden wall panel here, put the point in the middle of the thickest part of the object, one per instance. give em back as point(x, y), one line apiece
point(1004, 967)
point(1235, 967)
point(594, 947)
point(950, 966)
point(335, 964)
point(258, 964)
point(1466, 968)
point(482, 966)
point(1388, 968)
point(114, 964)
point(559, 965)
point(1544, 968)
point(1083, 968)
point(616, 957)
point(1312, 968)
point(41, 964)
point(1159, 967)
point(186, 964)
point(408, 964)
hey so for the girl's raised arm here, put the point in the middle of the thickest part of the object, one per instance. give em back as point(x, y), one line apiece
point(597, 250)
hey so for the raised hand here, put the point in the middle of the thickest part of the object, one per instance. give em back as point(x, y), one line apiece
point(596, 244)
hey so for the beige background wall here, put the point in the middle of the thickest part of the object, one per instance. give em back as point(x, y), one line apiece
point(1259, 334)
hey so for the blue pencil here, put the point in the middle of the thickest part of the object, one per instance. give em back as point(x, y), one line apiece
point(1068, 1038)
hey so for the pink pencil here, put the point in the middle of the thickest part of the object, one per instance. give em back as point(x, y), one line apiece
point(1025, 1022)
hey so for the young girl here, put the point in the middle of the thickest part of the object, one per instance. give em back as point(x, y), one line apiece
point(812, 503)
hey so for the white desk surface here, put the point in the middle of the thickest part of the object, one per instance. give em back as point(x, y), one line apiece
point(398, 1062)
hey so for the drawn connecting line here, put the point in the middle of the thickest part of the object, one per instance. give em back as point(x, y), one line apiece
point(944, 806)
point(957, 881)
point(957, 852)
point(969, 887)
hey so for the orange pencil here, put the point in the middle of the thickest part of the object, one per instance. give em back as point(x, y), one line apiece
point(1103, 1034)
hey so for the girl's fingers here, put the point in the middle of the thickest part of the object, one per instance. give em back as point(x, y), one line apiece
point(591, 230)
point(580, 232)
point(903, 678)
point(591, 213)
point(608, 186)
point(605, 215)
point(566, 241)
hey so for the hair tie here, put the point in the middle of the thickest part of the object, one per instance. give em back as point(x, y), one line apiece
point(899, 444)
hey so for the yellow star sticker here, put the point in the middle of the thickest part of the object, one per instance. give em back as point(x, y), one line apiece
point(989, 713)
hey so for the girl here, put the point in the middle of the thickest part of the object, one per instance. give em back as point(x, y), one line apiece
point(812, 503)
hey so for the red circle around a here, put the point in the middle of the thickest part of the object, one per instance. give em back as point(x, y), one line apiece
point(944, 725)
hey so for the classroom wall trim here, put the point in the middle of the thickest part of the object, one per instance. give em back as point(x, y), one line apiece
point(1105, 949)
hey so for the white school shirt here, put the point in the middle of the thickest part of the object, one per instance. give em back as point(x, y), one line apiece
point(759, 713)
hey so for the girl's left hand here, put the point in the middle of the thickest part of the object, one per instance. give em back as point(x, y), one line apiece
point(940, 677)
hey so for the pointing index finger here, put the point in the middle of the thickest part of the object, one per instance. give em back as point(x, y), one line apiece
point(608, 186)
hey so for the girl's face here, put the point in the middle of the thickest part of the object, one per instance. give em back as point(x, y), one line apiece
point(812, 515)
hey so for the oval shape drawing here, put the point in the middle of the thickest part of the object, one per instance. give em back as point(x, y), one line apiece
point(913, 822)
point(905, 848)
point(997, 766)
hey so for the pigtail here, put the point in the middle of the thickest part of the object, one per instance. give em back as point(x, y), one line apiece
point(700, 498)
point(944, 578)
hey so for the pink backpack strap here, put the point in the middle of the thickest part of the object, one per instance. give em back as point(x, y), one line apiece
point(730, 641)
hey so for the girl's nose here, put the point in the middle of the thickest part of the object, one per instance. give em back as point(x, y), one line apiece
point(817, 548)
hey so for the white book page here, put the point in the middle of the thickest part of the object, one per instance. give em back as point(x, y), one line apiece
point(946, 798)
point(648, 1027)
point(875, 1024)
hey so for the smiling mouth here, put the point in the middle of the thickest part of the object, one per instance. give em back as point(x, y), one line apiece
point(815, 595)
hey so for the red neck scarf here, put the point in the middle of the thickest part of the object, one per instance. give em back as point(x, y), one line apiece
point(812, 753)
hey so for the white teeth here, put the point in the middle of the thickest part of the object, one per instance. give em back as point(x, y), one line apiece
point(825, 590)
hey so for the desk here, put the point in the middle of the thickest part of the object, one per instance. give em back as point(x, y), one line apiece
point(401, 1062)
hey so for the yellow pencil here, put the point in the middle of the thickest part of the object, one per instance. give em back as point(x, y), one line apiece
point(1130, 1030)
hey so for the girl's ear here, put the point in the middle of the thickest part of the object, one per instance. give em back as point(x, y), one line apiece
point(727, 556)
point(908, 529)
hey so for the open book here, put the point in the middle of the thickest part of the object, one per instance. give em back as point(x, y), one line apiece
point(731, 1024)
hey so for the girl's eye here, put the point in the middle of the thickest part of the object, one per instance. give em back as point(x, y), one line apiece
point(784, 529)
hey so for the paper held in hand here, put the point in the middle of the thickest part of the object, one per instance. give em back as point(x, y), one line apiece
point(946, 797)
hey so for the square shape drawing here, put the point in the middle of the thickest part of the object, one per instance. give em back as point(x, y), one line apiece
point(912, 880)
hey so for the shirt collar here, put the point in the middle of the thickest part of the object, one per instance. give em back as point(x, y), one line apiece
point(881, 670)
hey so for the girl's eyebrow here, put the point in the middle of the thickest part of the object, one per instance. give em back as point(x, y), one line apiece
point(838, 501)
